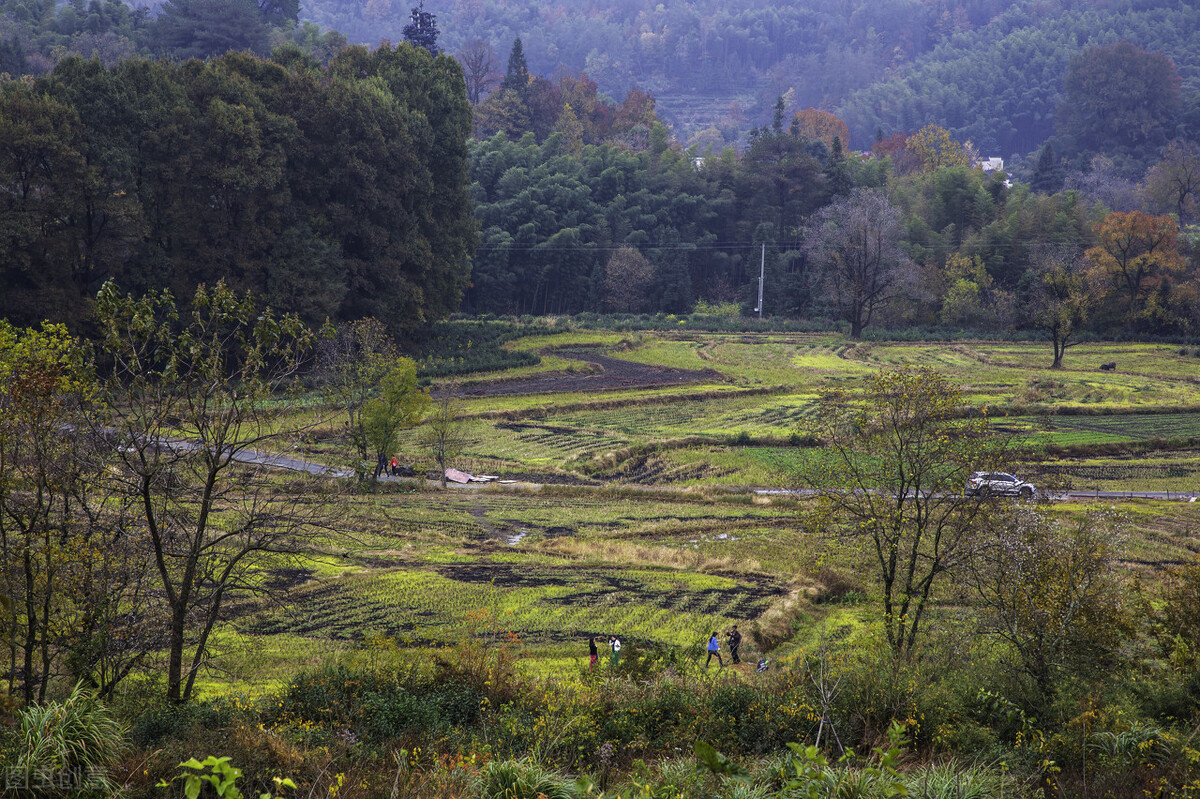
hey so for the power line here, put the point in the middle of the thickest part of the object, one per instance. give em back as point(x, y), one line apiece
point(1028, 245)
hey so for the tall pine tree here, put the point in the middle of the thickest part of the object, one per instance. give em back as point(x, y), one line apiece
point(516, 77)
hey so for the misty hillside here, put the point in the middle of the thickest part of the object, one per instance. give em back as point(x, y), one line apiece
point(989, 70)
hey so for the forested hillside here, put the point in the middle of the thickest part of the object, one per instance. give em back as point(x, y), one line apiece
point(1001, 86)
point(988, 70)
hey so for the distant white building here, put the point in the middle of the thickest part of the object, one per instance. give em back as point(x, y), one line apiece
point(993, 164)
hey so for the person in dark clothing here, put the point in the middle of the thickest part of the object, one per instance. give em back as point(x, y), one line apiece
point(714, 648)
point(593, 653)
point(735, 640)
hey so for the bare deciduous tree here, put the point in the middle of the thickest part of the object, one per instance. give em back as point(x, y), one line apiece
point(1173, 184)
point(627, 279)
point(478, 61)
point(855, 244)
point(445, 435)
point(352, 361)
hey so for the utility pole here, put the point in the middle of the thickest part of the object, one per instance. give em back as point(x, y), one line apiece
point(762, 271)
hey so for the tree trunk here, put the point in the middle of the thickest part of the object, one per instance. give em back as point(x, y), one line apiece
point(30, 630)
point(175, 656)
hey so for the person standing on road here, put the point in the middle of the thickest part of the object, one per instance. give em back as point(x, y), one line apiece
point(735, 640)
point(714, 648)
point(395, 466)
point(615, 643)
point(593, 653)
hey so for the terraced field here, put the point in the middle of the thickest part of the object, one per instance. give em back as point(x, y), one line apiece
point(556, 565)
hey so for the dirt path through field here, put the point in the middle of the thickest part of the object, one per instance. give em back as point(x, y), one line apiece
point(610, 374)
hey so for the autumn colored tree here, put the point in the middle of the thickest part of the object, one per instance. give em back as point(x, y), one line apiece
point(1135, 251)
point(636, 111)
point(819, 125)
point(933, 148)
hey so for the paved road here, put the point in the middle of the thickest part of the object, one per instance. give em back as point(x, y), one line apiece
point(1061, 496)
point(292, 464)
point(297, 465)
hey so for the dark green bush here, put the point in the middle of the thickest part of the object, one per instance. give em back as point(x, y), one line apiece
point(459, 704)
point(391, 714)
point(166, 720)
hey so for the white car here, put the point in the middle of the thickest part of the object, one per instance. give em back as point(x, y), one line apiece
point(998, 484)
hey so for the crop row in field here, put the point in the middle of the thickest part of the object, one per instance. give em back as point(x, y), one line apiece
point(538, 601)
point(1132, 427)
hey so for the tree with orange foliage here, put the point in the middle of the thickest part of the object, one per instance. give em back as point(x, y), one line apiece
point(637, 109)
point(1135, 251)
point(820, 125)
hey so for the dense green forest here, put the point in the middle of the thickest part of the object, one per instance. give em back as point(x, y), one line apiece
point(335, 182)
point(334, 191)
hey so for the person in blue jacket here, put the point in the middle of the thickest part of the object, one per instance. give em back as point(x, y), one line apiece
point(714, 648)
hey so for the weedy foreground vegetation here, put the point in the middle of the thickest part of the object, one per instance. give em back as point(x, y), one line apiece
point(429, 642)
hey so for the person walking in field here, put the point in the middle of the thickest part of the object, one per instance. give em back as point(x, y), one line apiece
point(735, 640)
point(593, 654)
point(395, 466)
point(615, 643)
point(714, 648)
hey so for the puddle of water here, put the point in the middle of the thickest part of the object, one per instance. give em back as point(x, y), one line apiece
point(516, 537)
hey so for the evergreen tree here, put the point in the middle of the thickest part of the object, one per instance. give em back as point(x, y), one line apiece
point(422, 31)
point(516, 77)
point(1048, 174)
point(837, 171)
point(209, 28)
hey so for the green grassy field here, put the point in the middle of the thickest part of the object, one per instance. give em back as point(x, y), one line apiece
point(661, 543)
